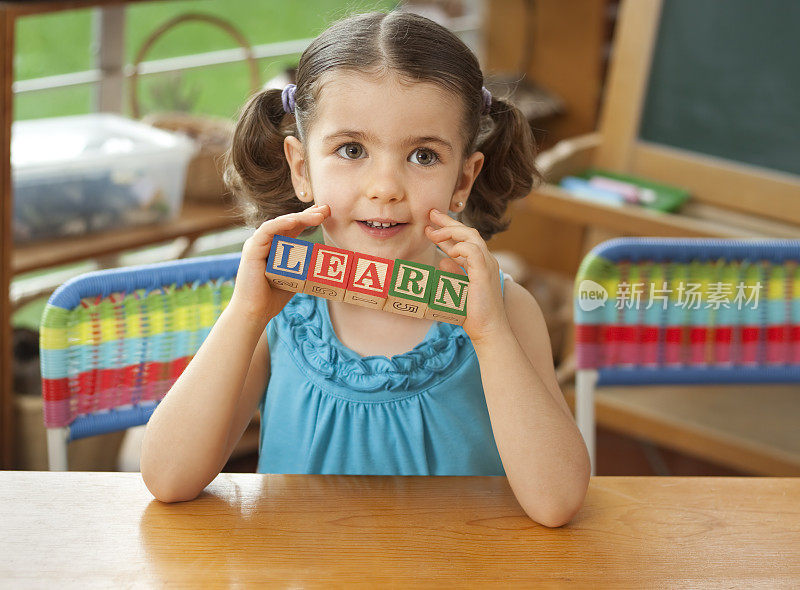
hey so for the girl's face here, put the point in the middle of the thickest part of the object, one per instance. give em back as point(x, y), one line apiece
point(383, 153)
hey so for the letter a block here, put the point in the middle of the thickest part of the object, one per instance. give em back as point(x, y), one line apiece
point(368, 284)
point(448, 301)
point(410, 288)
point(287, 264)
point(328, 272)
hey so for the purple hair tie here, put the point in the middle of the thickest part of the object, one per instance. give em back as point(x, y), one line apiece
point(487, 100)
point(287, 97)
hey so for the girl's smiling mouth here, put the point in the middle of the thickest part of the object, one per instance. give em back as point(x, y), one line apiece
point(381, 228)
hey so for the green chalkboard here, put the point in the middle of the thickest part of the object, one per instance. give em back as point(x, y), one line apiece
point(725, 81)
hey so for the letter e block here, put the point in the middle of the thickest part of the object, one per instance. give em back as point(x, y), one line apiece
point(448, 302)
point(328, 272)
point(288, 262)
point(410, 288)
point(368, 284)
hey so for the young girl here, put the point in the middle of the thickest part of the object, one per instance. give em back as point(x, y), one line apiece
point(387, 131)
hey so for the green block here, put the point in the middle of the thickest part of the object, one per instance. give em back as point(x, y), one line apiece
point(449, 292)
point(412, 281)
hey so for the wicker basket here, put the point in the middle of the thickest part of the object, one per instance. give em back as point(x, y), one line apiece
point(212, 134)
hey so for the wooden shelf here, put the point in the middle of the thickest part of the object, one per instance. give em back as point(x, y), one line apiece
point(747, 427)
point(695, 220)
point(194, 221)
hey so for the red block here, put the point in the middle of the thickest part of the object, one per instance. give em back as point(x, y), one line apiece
point(330, 266)
point(370, 275)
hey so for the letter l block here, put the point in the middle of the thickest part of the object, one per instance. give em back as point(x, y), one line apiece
point(288, 262)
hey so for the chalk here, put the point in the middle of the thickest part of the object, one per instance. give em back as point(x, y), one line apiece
point(581, 188)
point(632, 193)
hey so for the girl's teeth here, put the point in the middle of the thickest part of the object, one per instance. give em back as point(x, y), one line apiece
point(379, 224)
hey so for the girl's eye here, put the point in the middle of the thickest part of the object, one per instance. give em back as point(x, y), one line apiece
point(423, 157)
point(351, 151)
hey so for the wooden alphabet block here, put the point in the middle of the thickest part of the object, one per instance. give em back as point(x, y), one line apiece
point(368, 284)
point(288, 263)
point(448, 302)
point(328, 272)
point(410, 288)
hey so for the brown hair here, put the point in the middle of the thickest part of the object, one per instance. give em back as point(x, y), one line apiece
point(417, 49)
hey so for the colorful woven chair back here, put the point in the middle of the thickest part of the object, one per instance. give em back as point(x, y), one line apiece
point(670, 311)
point(112, 342)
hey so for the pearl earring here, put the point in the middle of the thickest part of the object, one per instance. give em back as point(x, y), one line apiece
point(302, 194)
point(460, 204)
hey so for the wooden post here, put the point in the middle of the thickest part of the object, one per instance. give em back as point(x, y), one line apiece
point(6, 245)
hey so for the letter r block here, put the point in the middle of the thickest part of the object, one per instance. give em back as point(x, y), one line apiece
point(448, 302)
point(328, 272)
point(410, 288)
point(288, 262)
point(368, 284)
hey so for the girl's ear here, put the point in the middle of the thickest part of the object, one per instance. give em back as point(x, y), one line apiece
point(469, 172)
point(296, 157)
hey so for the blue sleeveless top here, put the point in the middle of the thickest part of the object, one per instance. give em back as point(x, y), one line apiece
point(327, 409)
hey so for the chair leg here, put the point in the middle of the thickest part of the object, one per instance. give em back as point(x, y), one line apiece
point(585, 381)
point(57, 439)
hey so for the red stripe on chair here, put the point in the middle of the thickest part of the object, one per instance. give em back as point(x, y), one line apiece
point(177, 366)
point(794, 338)
point(588, 333)
point(750, 336)
point(612, 351)
point(777, 349)
point(723, 339)
point(629, 347)
point(648, 340)
point(55, 389)
point(673, 342)
point(698, 336)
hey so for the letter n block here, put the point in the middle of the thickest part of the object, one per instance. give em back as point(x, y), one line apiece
point(287, 264)
point(448, 302)
point(328, 272)
point(410, 288)
point(368, 284)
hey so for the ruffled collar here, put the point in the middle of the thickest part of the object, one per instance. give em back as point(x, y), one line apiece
point(305, 327)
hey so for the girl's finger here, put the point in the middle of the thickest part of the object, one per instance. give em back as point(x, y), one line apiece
point(443, 219)
point(291, 224)
point(429, 231)
point(466, 254)
point(459, 233)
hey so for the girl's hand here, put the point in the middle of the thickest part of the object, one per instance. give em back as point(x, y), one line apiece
point(486, 314)
point(252, 294)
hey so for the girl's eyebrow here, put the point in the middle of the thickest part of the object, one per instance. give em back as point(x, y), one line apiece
point(348, 134)
point(364, 137)
point(430, 139)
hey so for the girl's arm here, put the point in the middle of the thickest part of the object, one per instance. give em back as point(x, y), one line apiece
point(542, 450)
point(195, 427)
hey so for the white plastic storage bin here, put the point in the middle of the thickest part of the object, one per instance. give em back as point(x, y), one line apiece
point(88, 173)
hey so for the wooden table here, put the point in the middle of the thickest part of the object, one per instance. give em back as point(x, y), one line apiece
point(106, 530)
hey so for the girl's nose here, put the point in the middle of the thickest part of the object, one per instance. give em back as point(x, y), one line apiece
point(385, 184)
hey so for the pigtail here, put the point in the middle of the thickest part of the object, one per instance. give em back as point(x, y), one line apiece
point(256, 170)
point(508, 171)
